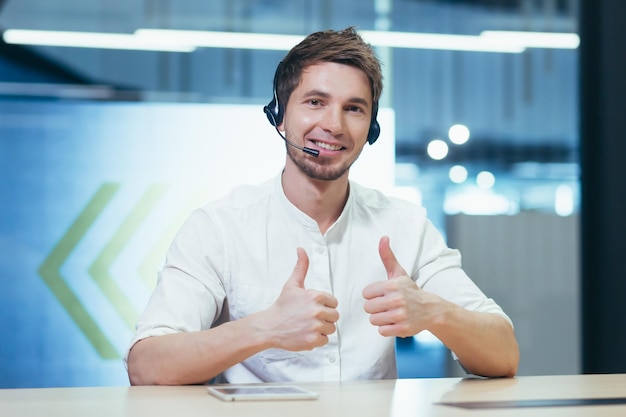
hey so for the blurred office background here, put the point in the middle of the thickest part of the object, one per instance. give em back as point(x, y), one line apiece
point(107, 143)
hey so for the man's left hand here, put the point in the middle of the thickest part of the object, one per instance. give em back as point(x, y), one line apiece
point(398, 306)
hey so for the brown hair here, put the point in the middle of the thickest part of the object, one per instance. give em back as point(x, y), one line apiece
point(344, 46)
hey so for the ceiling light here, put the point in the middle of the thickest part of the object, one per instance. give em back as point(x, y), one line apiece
point(188, 40)
point(376, 38)
point(458, 134)
point(437, 149)
point(440, 41)
point(458, 174)
point(485, 179)
point(535, 39)
point(236, 40)
point(92, 40)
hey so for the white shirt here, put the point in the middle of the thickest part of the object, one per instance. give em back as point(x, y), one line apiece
point(232, 257)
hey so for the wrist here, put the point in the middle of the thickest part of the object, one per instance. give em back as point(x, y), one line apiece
point(260, 330)
point(445, 316)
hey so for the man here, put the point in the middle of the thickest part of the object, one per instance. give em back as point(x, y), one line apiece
point(230, 304)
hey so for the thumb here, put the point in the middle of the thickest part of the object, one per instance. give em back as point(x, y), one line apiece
point(299, 271)
point(393, 268)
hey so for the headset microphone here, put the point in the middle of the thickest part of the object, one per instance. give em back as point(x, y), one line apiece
point(309, 151)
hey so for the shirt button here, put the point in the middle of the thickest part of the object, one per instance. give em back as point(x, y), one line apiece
point(320, 250)
point(332, 359)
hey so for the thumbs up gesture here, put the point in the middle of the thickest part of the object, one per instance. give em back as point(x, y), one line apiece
point(398, 306)
point(301, 319)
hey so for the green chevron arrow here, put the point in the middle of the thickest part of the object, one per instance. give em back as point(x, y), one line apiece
point(99, 269)
point(49, 271)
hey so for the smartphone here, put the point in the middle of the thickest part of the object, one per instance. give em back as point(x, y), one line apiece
point(261, 392)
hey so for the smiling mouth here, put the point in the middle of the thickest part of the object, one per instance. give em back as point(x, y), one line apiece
point(328, 146)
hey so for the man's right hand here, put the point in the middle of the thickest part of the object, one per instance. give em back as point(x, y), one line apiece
point(301, 319)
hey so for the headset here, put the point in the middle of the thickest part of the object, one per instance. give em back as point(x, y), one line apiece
point(275, 111)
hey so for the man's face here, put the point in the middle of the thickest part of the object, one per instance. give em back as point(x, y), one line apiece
point(330, 110)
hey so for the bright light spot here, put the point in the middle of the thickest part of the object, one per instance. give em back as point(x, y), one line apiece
point(437, 149)
point(564, 200)
point(485, 179)
point(459, 134)
point(479, 202)
point(458, 174)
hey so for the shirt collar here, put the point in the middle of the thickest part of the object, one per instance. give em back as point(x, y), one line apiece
point(304, 218)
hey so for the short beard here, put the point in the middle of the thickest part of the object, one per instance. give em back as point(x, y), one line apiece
point(315, 170)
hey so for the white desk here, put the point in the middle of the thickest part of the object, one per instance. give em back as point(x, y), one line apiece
point(397, 398)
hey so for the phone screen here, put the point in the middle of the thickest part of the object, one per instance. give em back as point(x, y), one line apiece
point(261, 392)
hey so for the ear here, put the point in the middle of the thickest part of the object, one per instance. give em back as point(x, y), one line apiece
point(281, 125)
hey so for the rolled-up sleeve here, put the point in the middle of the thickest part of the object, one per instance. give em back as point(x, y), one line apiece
point(190, 294)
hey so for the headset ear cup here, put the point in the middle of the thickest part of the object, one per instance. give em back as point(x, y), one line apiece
point(273, 113)
point(373, 133)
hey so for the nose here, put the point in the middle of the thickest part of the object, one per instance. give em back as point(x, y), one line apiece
point(332, 120)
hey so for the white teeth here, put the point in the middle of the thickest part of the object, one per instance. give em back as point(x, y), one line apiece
point(328, 146)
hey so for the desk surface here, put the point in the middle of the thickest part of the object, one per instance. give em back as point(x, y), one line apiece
point(397, 398)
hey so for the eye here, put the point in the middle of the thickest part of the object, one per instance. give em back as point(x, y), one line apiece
point(355, 109)
point(314, 102)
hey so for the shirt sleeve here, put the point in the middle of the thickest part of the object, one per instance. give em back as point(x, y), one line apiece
point(439, 271)
point(190, 294)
